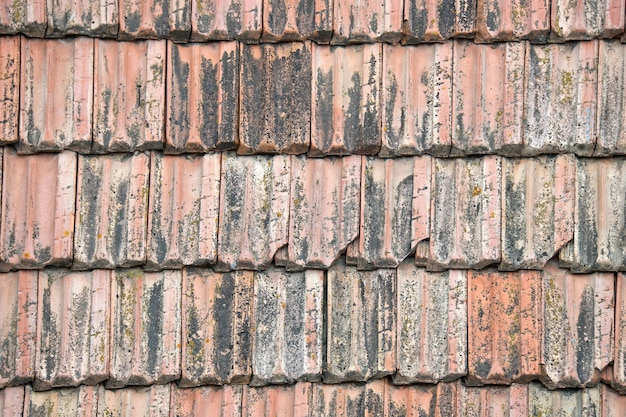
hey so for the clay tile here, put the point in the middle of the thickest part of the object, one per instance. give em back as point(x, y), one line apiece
point(367, 21)
point(618, 377)
point(410, 401)
point(613, 404)
point(226, 20)
point(93, 18)
point(281, 401)
point(575, 403)
point(202, 97)
point(27, 17)
point(579, 19)
point(346, 400)
point(219, 401)
point(151, 401)
point(511, 20)
point(12, 401)
point(611, 135)
point(495, 401)
point(292, 20)
point(438, 20)
point(9, 88)
point(129, 96)
point(79, 402)
point(155, 19)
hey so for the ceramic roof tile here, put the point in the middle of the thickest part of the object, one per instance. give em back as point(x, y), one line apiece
point(582, 20)
point(488, 90)
point(538, 212)
point(129, 96)
point(349, 399)
point(367, 21)
point(438, 20)
point(38, 201)
point(12, 402)
point(226, 20)
point(613, 404)
point(73, 328)
point(18, 327)
point(151, 401)
point(494, 401)
point(275, 98)
point(431, 325)
point(56, 94)
point(611, 136)
point(79, 402)
point(9, 88)
point(280, 401)
point(345, 114)
point(184, 210)
point(70, 17)
point(618, 379)
point(202, 99)
point(291, 20)
point(27, 17)
point(417, 99)
point(220, 401)
point(111, 207)
point(505, 327)
point(509, 20)
point(145, 328)
point(575, 403)
point(150, 19)
point(410, 401)
point(465, 213)
point(217, 327)
point(360, 304)
point(254, 210)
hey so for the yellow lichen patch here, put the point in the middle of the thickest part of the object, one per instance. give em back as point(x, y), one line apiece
point(476, 191)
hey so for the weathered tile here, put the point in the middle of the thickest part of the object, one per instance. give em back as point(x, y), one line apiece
point(202, 99)
point(111, 206)
point(324, 211)
point(155, 19)
point(348, 399)
point(226, 20)
point(27, 17)
point(505, 327)
point(79, 402)
point(56, 94)
point(281, 401)
point(613, 404)
point(184, 210)
point(438, 20)
point(431, 325)
point(611, 135)
point(417, 100)
point(92, 18)
point(361, 324)
point(288, 328)
point(254, 210)
point(217, 327)
point(9, 88)
point(410, 401)
point(578, 316)
point(618, 377)
point(574, 403)
point(494, 401)
point(511, 20)
point(18, 327)
point(538, 212)
point(488, 90)
point(12, 402)
point(222, 401)
point(151, 401)
point(580, 19)
point(292, 20)
point(465, 219)
point(38, 201)
point(560, 99)
point(345, 115)
point(129, 112)
point(275, 101)
point(73, 328)
point(146, 327)
point(367, 21)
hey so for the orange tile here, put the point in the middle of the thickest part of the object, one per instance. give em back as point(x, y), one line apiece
point(345, 400)
point(92, 18)
point(155, 19)
point(29, 18)
point(9, 88)
point(613, 404)
point(611, 136)
point(12, 401)
point(292, 20)
point(495, 401)
point(79, 402)
point(202, 98)
point(410, 401)
point(511, 20)
point(226, 20)
point(367, 21)
point(151, 401)
point(220, 401)
point(129, 96)
point(438, 20)
point(543, 402)
point(278, 401)
point(579, 19)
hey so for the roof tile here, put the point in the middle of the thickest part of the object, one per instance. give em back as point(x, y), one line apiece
point(494, 401)
point(219, 401)
point(367, 21)
point(410, 401)
point(618, 379)
point(151, 401)
point(613, 404)
point(349, 399)
point(79, 402)
point(155, 19)
point(582, 20)
point(438, 20)
point(9, 88)
point(202, 99)
point(510, 20)
point(611, 135)
point(575, 403)
point(291, 20)
point(12, 402)
point(280, 401)
point(226, 20)
point(70, 17)
point(28, 17)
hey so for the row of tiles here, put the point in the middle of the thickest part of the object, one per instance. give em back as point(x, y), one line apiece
point(243, 212)
point(315, 400)
point(199, 327)
point(450, 99)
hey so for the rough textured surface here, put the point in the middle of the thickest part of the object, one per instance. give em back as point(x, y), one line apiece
point(226, 20)
point(510, 20)
point(611, 135)
point(438, 20)
point(12, 401)
point(93, 17)
point(79, 402)
point(220, 401)
point(155, 19)
point(367, 21)
point(495, 401)
point(151, 401)
point(27, 17)
point(287, 400)
point(580, 19)
point(575, 403)
point(291, 20)
point(9, 88)
point(618, 379)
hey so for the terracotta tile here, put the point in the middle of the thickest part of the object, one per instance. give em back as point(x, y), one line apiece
point(79, 402)
point(538, 212)
point(184, 210)
point(613, 404)
point(129, 96)
point(254, 210)
point(145, 327)
point(275, 98)
point(345, 116)
point(56, 95)
point(155, 19)
point(28, 17)
point(324, 211)
point(292, 20)
point(18, 327)
point(465, 219)
point(432, 325)
point(410, 401)
point(92, 18)
point(9, 87)
point(510, 20)
point(111, 206)
point(288, 326)
point(346, 400)
point(367, 21)
point(505, 318)
point(360, 324)
point(151, 401)
point(488, 90)
point(495, 401)
point(73, 328)
point(217, 327)
point(226, 20)
point(611, 137)
point(202, 99)
point(12, 402)
point(560, 99)
point(618, 377)
point(438, 20)
point(575, 403)
point(219, 401)
point(417, 100)
point(38, 194)
point(578, 316)
point(279, 401)
point(583, 20)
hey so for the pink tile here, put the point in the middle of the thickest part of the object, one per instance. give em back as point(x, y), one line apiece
point(151, 401)
point(579, 19)
point(495, 401)
point(9, 87)
point(410, 401)
point(12, 402)
point(217, 327)
point(29, 18)
point(38, 196)
point(155, 19)
point(18, 327)
point(56, 94)
point(226, 20)
point(278, 401)
point(367, 21)
point(510, 20)
point(613, 404)
point(292, 20)
point(129, 96)
point(611, 136)
point(203, 97)
point(145, 328)
point(345, 400)
point(618, 377)
point(93, 18)
point(79, 402)
point(438, 20)
point(544, 402)
point(417, 100)
point(221, 401)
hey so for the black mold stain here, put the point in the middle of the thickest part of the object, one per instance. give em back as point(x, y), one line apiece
point(223, 334)
point(103, 120)
point(393, 137)
point(209, 127)
point(402, 216)
point(515, 206)
point(159, 223)
point(229, 83)
point(586, 336)
point(50, 343)
point(374, 227)
point(294, 323)
point(233, 19)
point(493, 17)
point(154, 326)
point(353, 131)
point(180, 94)
point(80, 325)
point(305, 17)
point(277, 18)
point(447, 14)
point(234, 181)
point(120, 219)
point(324, 109)
point(419, 20)
point(162, 20)
point(445, 203)
point(132, 21)
point(588, 233)
point(91, 189)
